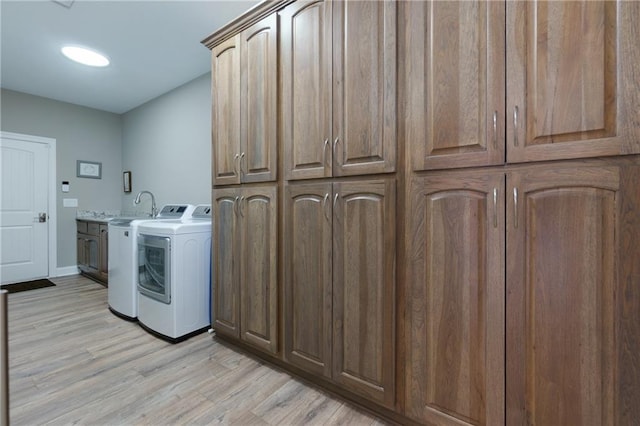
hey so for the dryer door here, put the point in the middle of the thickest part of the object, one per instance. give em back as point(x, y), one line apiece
point(154, 267)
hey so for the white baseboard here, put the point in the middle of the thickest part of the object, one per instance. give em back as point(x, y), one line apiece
point(67, 270)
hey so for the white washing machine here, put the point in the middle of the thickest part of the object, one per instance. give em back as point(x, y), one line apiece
point(122, 293)
point(174, 278)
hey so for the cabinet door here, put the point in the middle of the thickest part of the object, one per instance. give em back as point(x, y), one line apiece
point(259, 274)
point(81, 251)
point(364, 87)
point(104, 252)
point(259, 107)
point(93, 254)
point(561, 230)
point(226, 262)
point(572, 84)
point(308, 281)
point(455, 299)
point(306, 88)
point(226, 112)
point(364, 248)
point(455, 84)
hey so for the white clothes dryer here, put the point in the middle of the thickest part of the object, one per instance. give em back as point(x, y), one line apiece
point(174, 276)
point(122, 293)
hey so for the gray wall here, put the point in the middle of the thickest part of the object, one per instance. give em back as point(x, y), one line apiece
point(81, 134)
point(167, 146)
point(165, 143)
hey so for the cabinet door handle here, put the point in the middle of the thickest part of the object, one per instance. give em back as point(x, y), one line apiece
point(242, 156)
point(235, 206)
point(325, 204)
point(495, 129)
point(235, 163)
point(515, 126)
point(324, 151)
point(335, 201)
point(240, 206)
point(495, 207)
point(335, 145)
point(515, 208)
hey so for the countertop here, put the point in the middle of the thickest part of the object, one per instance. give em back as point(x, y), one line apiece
point(106, 217)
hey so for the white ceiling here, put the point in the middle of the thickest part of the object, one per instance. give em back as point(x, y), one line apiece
point(154, 46)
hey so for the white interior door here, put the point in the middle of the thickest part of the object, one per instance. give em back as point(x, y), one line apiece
point(24, 181)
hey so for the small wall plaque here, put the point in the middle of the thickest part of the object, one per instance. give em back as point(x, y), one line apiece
point(126, 181)
point(88, 169)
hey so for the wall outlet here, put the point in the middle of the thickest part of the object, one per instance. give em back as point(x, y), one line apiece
point(69, 202)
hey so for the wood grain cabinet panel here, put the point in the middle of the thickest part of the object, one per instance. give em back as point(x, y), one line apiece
point(245, 265)
point(226, 117)
point(456, 84)
point(308, 276)
point(305, 66)
point(259, 101)
point(244, 116)
point(340, 283)
point(565, 68)
point(104, 252)
point(455, 300)
point(225, 263)
point(561, 228)
point(259, 276)
point(364, 288)
point(338, 69)
point(364, 87)
point(571, 88)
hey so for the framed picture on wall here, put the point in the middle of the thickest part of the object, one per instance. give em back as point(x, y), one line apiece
point(88, 169)
point(126, 181)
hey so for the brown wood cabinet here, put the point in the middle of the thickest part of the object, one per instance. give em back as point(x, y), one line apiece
point(557, 231)
point(340, 282)
point(492, 285)
point(364, 258)
point(245, 297)
point(455, 83)
point(571, 85)
point(93, 249)
point(245, 76)
point(561, 286)
point(225, 112)
point(565, 68)
point(226, 261)
point(308, 285)
point(104, 252)
point(338, 67)
point(455, 301)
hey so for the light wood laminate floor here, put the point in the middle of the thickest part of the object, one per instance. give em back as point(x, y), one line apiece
point(71, 361)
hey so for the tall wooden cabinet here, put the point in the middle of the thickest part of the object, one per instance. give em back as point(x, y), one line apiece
point(364, 262)
point(245, 265)
point(494, 84)
point(455, 300)
point(561, 286)
point(432, 207)
point(338, 68)
point(340, 283)
point(308, 275)
point(245, 78)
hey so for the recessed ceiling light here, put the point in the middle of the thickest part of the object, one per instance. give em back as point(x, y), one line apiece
point(65, 3)
point(85, 56)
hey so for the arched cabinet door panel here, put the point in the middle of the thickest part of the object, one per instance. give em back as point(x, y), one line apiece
point(455, 299)
point(562, 225)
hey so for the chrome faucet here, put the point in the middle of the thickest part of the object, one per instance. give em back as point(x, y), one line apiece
point(154, 209)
